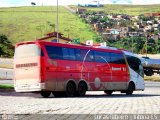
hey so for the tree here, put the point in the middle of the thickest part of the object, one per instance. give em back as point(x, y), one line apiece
point(139, 43)
point(6, 47)
point(98, 38)
point(94, 19)
point(51, 25)
point(104, 19)
point(33, 3)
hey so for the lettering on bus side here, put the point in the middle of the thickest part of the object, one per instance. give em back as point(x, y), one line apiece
point(116, 69)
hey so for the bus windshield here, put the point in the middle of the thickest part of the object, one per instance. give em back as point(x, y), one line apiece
point(27, 50)
point(135, 64)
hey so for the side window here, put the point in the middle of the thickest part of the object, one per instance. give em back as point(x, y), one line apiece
point(65, 53)
point(85, 55)
point(90, 56)
point(72, 54)
point(54, 52)
point(117, 58)
point(68, 54)
point(102, 57)
point(78, 54)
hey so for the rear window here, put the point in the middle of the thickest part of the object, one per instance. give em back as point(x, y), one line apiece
point(27, 50)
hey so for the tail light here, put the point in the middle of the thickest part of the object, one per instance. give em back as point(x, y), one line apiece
point(42, 74)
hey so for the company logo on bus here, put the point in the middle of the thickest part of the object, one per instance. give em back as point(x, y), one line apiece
point(26, 65)
point(118, 69)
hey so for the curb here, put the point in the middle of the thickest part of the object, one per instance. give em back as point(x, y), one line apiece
point(7, 90)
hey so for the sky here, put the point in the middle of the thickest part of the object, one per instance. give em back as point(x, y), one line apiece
point(11, 3)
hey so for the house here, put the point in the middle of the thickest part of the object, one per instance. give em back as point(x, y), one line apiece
point(152, 14)
point(149, 27)
point(149, 22)
point(124, 31)
point(111, 34)
point(136, 34)
point(134, 17)
point(155, 25)
point(115, 31)
point(52, 36)
point(80, 10)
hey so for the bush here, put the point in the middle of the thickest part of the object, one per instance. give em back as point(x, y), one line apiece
point(6, 47)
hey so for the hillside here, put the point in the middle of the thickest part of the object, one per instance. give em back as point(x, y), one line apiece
point(125, 26)
point(29, 23)
point(125, 9)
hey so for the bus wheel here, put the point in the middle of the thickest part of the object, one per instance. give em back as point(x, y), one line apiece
point(148, 72)
point(45, 94)
point(108, 92)
point(70, 89)
point(81, 89)
point(130, 89)
point(58, 94)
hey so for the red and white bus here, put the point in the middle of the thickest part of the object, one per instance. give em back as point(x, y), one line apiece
point(71, 70)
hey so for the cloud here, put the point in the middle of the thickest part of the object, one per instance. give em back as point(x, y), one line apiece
point(9, 3)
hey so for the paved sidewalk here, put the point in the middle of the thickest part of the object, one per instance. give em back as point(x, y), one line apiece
point(141, 102)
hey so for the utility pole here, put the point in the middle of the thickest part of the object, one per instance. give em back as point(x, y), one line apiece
point(132, 43)
point(131, 36)
point(57, 24)
point(146, 44)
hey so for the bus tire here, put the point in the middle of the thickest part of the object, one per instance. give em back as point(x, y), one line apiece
point(45, 94)
point(131, 88)
point(148, 72)
point(108, 92)
point(70, 89)
point(82, 88)
point(58, 94)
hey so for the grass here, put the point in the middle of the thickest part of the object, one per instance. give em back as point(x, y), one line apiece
point(6, 66)
point(126, 9)
point(24, 23)
point(4, 78)
point(152, 78)
point(5, 86)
